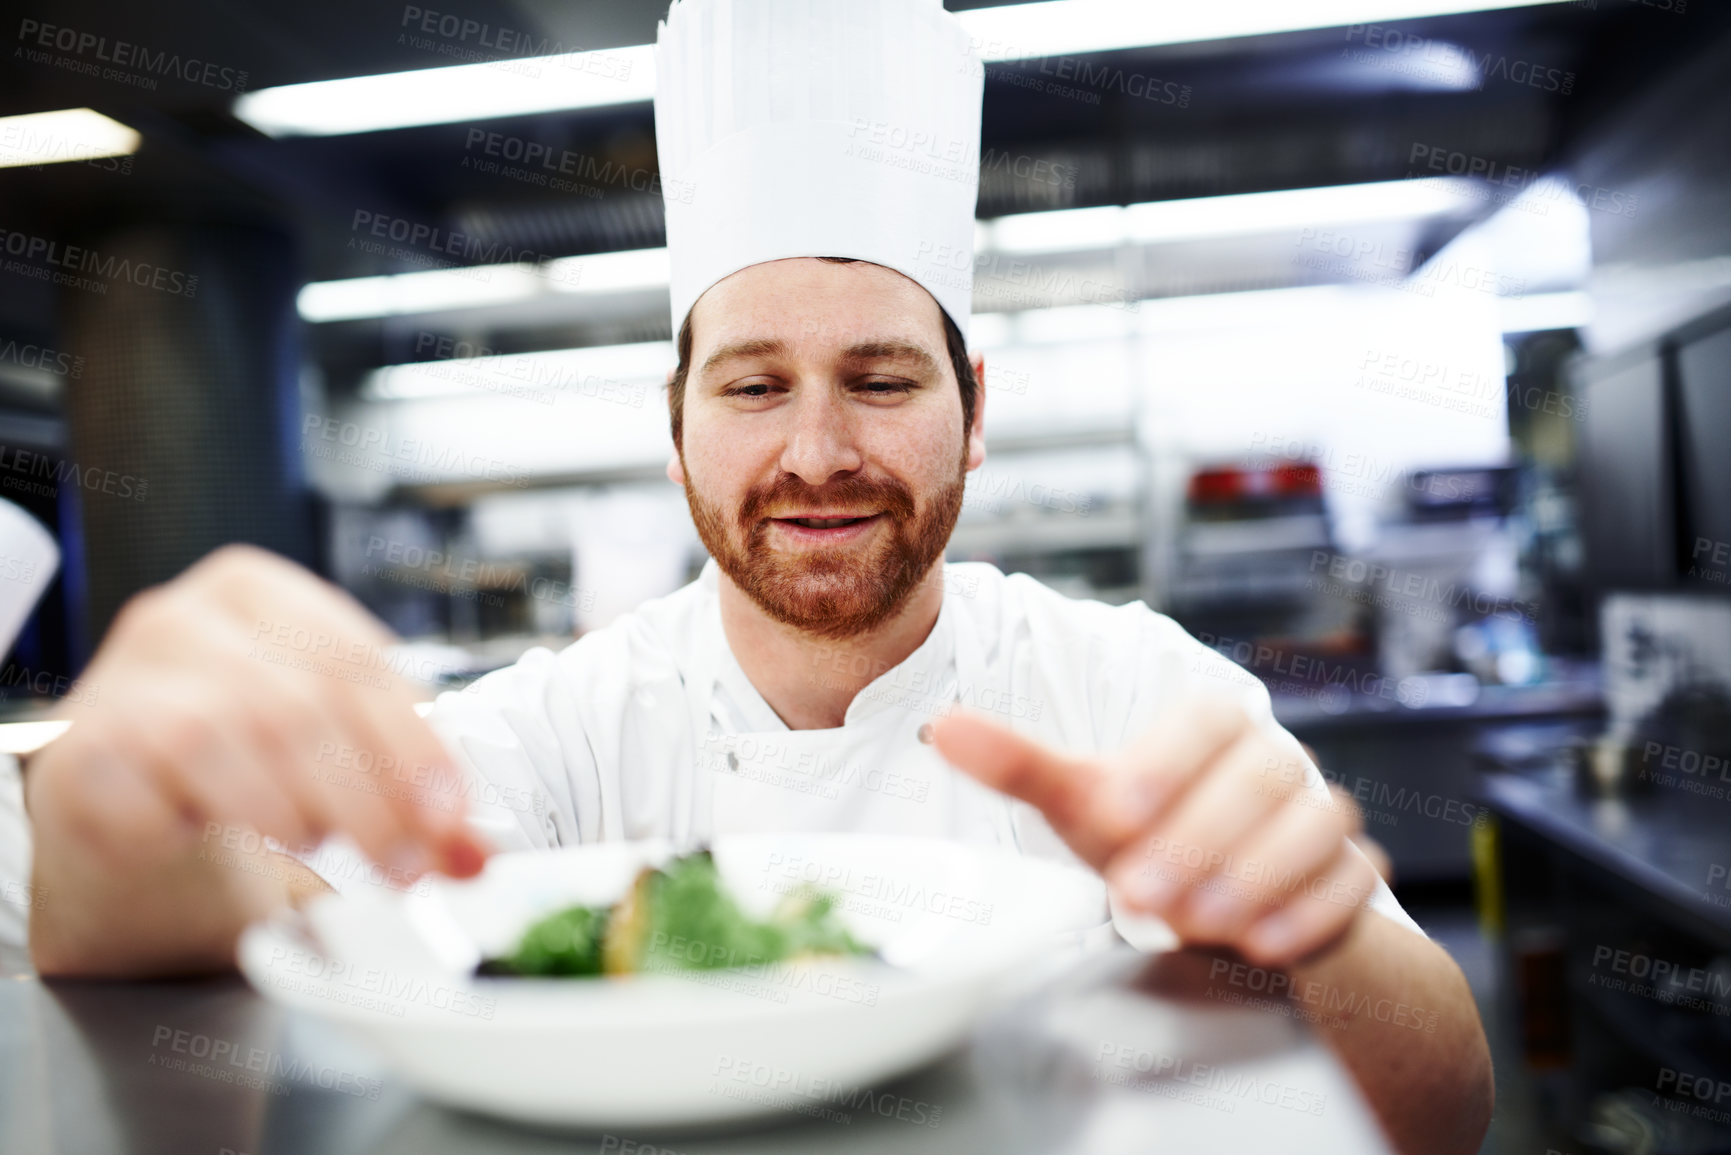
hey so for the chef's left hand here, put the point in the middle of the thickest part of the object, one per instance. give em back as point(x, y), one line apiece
point(1207, 822)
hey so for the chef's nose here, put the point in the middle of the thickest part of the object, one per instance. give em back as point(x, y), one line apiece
point(821, 438)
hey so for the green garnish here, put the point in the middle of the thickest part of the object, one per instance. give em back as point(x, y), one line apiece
point(565, 943)
point(678, 918)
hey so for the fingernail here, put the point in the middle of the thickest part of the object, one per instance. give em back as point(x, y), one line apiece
point(410, 858)
point(464, 857)
point(1148, 888)
point(1212, 912)
point(1273, 938)
point(1136, 799)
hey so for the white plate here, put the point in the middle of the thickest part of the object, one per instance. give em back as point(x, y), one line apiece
point(955, 926)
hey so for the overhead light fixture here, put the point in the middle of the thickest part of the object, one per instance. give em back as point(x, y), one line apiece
point(71, 134)
point(476, 286)
point(529, 85)
point(1073, 27)
point(620, 371)
point(428, 292)
point(1159, 222)
point(460, 92)
point(1294, 306)
point(611, 272)
point(1057, 231)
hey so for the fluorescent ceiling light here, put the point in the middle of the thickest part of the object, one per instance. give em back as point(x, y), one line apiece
point(445, 95)
point(1445, 68)
point(1296, 306)
point(1156, 315)
point(580, 372)
point(1544, 311)
point(611, 272)
point(1058, 231)
point(428, 292)
point(475, 286)
point(1293, 307)
point(58, 137)
point(623, 75)
point(1066, 27)
point(1157, 222)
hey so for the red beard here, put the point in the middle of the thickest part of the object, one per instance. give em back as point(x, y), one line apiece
point(837, 595)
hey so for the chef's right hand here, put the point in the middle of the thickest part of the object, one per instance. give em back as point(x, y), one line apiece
point(246, 694)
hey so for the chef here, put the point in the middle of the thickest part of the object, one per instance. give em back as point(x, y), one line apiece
point(827, 670)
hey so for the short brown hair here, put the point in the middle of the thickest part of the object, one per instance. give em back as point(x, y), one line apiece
point(954, 344)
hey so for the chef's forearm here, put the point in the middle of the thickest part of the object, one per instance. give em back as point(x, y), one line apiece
point(1399, 1014)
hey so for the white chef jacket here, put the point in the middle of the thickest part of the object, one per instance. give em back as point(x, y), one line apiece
point(649, 728)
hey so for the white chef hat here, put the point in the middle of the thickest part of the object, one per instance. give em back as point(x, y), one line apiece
point(818, 128)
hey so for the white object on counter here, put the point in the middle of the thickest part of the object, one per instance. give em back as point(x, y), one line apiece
point(16, 893)
point(29, 560)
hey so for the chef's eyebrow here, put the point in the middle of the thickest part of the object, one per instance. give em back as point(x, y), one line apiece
point(755, 347)
point(888, 349)
point(893, 350)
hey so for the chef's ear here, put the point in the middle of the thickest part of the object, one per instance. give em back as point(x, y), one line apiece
point(977, 432)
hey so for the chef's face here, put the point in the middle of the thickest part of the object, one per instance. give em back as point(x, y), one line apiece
point(823, 449)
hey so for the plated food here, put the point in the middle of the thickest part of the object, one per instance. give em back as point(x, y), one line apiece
point(677, 917)
point(948, 930)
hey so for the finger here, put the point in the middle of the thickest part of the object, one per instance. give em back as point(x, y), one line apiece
point(198, 762)
point(1276, 861)
point(416, 775)
point(1196, 837)
point(434, 802)
point(311, 626)
point(342, 655)
point(372, 741)
point(297, 721)
point(1315, 919)
point(1061, 788)
point(1151, 774)
point(280, 603)
point(284, 714)
point(351, 770)
point(286, 727)
point(275, 722)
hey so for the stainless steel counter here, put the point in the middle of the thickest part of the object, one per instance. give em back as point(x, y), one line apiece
point(1117, 1055)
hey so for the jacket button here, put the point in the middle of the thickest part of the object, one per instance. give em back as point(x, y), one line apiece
point(925, 733)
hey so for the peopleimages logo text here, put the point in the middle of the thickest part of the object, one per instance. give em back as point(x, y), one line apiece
point(87, 261)
point(140, 59)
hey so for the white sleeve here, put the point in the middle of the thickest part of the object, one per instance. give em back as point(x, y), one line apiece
point(16, 894)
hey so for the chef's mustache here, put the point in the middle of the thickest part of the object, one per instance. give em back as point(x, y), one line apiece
point(789, 493)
